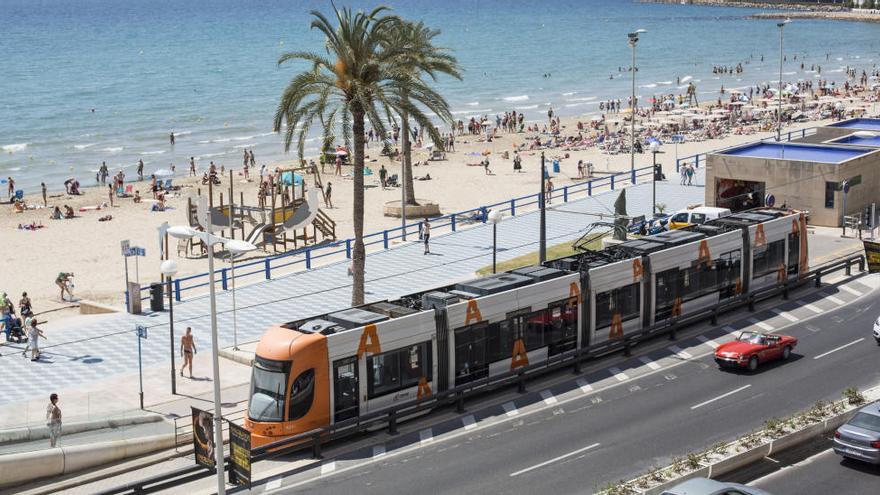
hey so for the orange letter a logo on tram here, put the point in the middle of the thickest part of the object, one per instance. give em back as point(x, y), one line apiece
point(373, 345)
point(574, 294)
point(616, 327)
point(520, 358)
point(704, 256)
point(760, 238)
point(473, 313)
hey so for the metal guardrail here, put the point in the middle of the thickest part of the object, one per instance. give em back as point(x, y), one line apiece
point(263, 268)
point(391, 415)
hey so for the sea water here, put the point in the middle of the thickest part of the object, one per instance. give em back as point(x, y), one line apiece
point(91, 81)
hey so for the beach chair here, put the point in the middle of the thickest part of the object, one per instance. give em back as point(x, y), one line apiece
point(120, 192)
point(167, 186)
point(19, 195)
point(129, 190)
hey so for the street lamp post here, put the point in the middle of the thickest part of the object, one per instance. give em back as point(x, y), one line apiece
point(169, 269)
point(209, 239)
point(633, 39)
point(781, 26)
point(542, 237)
point(494, 218)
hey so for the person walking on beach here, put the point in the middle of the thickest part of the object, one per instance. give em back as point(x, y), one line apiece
point(11, 187)
point(683, 171)
point(171, 138)
point(103, 172)
point(53, 420)
point(192, 166)
point(34, 335)
point(549, 190)
point(43, 188)
point(253, 160)
point(187, 349)
point(140, 170)
point(338, 165)
point(328, 196)
point(62, 281)
point(383, 174)
point(426, 235)
point(110, 194)
point(690, 175)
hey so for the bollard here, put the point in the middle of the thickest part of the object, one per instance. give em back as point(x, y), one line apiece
point(521, 386)
point(677, 165)
point(459, 403)
point(484, 213)
point(633, 173)
point(316, 446)
point(848, 269)
point(452, 222)
point(861, 264)
point(392, 423)
point(785, 292)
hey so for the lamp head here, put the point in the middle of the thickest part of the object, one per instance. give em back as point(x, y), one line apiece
point(783, 23)
point(181, 232)
point(236, 246)
point(655, 146)
point(168, 268)
point(494, 216)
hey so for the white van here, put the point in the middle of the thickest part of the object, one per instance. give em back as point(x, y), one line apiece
point(698, 215)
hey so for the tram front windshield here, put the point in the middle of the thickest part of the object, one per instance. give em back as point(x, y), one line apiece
point(268, 386)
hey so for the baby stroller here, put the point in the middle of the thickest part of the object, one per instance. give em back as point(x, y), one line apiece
point(392, 181)
point(16, 332)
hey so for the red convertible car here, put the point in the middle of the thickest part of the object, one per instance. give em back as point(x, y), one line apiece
point(753, 348)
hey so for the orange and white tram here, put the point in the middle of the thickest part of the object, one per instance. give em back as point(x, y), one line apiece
point(312, 373)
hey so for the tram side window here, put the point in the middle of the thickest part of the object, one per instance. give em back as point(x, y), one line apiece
point(398, 369)
point(768, 258)
point(499, 341)
point(623, 300)
point(561, 332)
point(728, 268)
point(794, 253)
point(668, 287)
point(301, 395)
point(470, 353)
point(534, 329)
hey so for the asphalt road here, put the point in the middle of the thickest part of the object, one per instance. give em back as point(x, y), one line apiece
point(679, 405)
point(821, 474)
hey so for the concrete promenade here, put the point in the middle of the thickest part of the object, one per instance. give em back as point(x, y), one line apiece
point(92, 361)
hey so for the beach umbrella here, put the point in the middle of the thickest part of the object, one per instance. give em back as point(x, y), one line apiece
point(341, 151)
point(163, 172)
point(669, 102)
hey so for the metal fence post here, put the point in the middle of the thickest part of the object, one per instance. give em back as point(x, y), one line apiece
point(484, 213)
point(459, 403)
point(177, 289)
point(697, 161)
point(521, 385)
point(392, 423)
point(513, 207)
point(452, 222)
point(348, 248)
point(309, 259)
point(590, 188)
point(612, 182)
point(268, 269)
point(633, 172)
point(677, 165)
point(385, 239)
point(224, 280)
point(565, 194)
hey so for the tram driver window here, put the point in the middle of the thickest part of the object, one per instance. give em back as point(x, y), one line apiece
point(301, 394)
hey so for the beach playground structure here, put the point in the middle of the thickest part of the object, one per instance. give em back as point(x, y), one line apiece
point(290, 214)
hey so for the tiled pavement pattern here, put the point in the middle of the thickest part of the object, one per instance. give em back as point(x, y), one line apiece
point(95, 348)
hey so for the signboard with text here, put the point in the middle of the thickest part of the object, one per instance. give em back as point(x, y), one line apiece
point(872, 255)
point(239, 455)
point(203, 437)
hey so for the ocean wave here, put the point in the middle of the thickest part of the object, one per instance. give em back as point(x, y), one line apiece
point(115, 149)
point(570, 93)
point(12, 148)
point(266, 134)
point(527, 107)
point(155, 152)
point(209, 155)
point(789, 73)
point(83, 146)
point(244, 146)
point(571, 105)
point(472, 104)
point(212, 141)
point(14, 169)
point(585, 98)
point(243, 138)
point(471, 112)
point(686, 79)
point(516, 98)
point(652, 85)
point(183, 133)
point(665, 83)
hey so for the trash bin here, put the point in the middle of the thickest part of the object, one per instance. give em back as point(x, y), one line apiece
point(555, 166)
point(157, 301)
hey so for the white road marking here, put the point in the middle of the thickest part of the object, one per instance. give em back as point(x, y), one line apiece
point(510, 409)
point(585, 386)
point(651, 364)
point(618, 373)
point(835, 300)
point(679, 352)
point(760, 324)
point(426, 436)
point(469, 422)
point(709, 342)
point(844, 346)
point(274, 484)
point(328, 467)
point(548, 397)
point(378, 451)
point(555, 459)
point(851, 290)
point(701, 404)
point(785, 314)
point(814, 309)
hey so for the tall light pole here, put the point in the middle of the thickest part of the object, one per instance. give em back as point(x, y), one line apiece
point(209, 239)
point(633, 39)
point(494, 218)
point(781, 26)
point(235, 248)
point(169, 269)
point(655, 148)
point(542, 236)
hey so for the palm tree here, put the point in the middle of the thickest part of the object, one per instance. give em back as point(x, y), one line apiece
point(420, 57)
point(358, 79)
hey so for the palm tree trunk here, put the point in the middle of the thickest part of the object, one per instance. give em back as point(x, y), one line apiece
point(359, 253)
point(406, 161)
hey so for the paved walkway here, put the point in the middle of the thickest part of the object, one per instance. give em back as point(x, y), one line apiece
point(85, 351)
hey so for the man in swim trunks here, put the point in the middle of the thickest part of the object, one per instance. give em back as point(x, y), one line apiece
point(187, 349)
point(61, 281)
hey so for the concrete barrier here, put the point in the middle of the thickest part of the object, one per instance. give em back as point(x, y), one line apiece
point(40, 432)
point(242, 357)
point(95, 308)
point(17, 469)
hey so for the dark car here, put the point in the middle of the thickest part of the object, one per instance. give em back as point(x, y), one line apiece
point(859, 438)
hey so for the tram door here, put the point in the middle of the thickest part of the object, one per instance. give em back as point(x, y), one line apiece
point(345, 389)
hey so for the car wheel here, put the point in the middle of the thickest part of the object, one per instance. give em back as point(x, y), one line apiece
point(753, 363)
point(786, 353)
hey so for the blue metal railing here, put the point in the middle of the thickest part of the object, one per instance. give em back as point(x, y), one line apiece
point(305, 257)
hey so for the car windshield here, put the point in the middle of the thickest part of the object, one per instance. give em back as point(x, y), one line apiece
point(752, 338)
point(268, 386)
point(866, 421)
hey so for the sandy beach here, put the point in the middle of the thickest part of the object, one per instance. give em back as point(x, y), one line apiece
point(91, 248)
